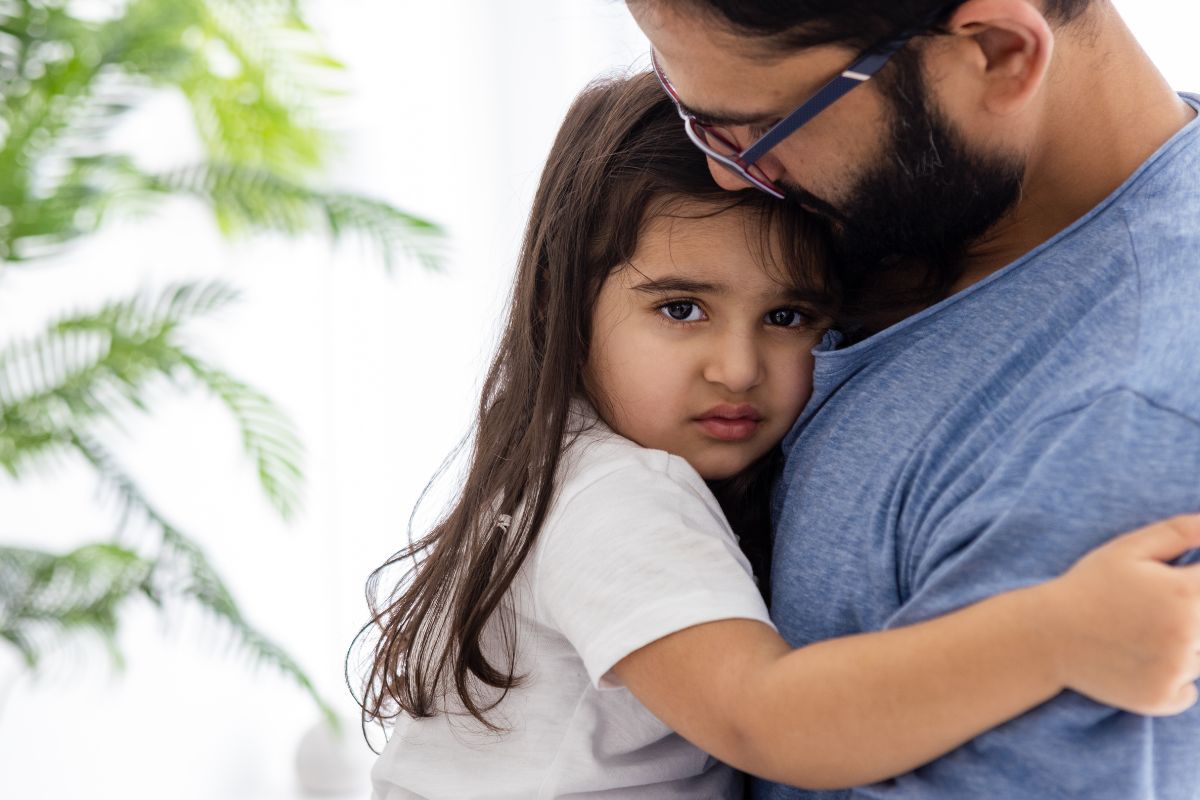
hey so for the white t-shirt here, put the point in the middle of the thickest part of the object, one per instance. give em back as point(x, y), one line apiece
point(635, 548)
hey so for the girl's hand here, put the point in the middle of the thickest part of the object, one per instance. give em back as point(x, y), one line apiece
point(1125, 625)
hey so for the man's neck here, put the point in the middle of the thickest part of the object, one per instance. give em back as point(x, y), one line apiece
point(1108, 109)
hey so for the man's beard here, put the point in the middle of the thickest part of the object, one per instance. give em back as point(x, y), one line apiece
point(912, 217)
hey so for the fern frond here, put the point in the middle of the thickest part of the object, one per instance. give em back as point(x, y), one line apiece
point(47, 385)
point(247, 199)
point(94, 366)
point(205, 587)
point(182, 570)
point(142, 327)
point(143, 317)
point(268, 436)
point(45, 597)
point(259, 110)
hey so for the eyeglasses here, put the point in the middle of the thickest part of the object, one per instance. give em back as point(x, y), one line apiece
point(717, 145)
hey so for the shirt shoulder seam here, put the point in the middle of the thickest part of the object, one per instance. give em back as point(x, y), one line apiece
point(1137, 273)
point(1114, 391)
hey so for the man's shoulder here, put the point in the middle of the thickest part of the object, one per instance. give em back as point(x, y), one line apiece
point(1156, 292)
point(1174, 169)
point(1160, 208)
point(1158, 205)
point(1165, 243)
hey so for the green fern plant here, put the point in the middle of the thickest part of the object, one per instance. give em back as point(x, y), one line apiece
point(253, 74)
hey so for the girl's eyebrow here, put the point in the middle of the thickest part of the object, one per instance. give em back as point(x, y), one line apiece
point(678, 284)
point(675, 284)
point(672, 283)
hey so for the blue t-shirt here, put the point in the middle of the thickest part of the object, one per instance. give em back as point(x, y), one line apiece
point(986, 444)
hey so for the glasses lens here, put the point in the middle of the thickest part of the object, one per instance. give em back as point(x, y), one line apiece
point(713, 140)
point(723, 150)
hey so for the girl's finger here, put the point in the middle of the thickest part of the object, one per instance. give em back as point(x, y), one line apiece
point(1163, 541)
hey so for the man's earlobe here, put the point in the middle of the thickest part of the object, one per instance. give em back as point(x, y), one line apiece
point(1014, 45)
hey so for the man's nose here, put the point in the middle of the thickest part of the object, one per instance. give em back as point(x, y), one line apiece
point(729, 180)
point(734, 362)
point(726, 178)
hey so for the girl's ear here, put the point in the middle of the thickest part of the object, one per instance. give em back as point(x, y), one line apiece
point(1002, 53)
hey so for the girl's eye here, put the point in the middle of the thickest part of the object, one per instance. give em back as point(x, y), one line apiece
point(786, 318)
point(682, 311)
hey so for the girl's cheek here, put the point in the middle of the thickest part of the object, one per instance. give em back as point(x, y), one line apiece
point(800, 373)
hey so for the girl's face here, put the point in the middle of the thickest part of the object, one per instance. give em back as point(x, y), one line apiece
point(696, 348)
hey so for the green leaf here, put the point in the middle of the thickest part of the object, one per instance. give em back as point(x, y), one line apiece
point(268, 436)
point(89, 367)
point(46, 598)
point(248, 199)
point(182, 571)
point(205, 587)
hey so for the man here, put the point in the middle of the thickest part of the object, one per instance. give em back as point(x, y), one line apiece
point(1015, 195)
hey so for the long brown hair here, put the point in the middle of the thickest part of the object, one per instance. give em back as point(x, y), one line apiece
point(619, 154)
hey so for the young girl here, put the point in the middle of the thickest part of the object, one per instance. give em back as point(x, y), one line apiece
point(583, 623)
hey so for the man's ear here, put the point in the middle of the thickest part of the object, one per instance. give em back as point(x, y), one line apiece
point(1006, 46)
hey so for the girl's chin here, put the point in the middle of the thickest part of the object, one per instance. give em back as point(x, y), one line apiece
point(719, 471)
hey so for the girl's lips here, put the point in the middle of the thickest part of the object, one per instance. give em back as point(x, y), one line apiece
point(729, 430)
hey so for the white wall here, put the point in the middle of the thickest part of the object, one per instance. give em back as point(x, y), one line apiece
point(453, 107)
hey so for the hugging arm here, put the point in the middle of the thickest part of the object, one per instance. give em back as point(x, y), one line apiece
point(1121, 627)
point(859, 709)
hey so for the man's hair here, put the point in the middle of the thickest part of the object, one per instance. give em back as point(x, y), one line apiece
point(794, 24)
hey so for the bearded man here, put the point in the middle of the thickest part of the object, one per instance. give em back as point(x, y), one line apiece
point(1013, 191)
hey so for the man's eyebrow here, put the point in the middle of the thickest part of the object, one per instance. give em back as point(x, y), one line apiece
point(676, 284)
point(720, 118)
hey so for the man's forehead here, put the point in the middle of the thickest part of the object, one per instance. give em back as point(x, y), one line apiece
point(721, 74)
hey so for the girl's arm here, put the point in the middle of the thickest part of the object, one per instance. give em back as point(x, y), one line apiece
point(1121, 627)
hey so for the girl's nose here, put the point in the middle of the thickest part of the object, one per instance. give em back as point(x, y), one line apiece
point(734, 363)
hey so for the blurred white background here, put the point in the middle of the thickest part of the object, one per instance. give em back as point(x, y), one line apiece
point(451, 110)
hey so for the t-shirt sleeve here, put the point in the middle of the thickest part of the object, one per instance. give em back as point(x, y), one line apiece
point(636, 555)
point(1067, 486)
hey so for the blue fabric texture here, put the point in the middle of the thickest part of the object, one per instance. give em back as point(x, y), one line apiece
point(986, 444)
